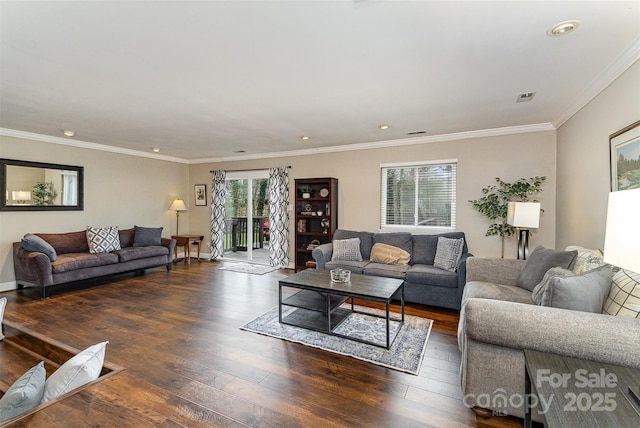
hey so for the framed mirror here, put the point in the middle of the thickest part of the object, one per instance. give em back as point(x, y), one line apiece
point(37, 186)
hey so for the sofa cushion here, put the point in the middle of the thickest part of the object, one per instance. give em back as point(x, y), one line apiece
point(135, 253)
point(448, 253)
point(24, 394)
point(541, 291)
point(71, 242)
point(388, 254)
point(73, 261)
point(401, 240)
point(587, 259)
point(346, 250)
point(624, 296)
point(353, 266)
point(427, 274)
point(586, 292)
point(103, 239)
point(540, 261)
point(144, 236)
point(389, 271)
point(424, 246)
point(489, 290)
point(126, 237)
point(366, 240)
point(31, 242)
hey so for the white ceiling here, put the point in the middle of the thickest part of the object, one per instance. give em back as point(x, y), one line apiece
point(203, 80)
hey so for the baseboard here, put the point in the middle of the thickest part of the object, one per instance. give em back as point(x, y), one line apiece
point(7, 286)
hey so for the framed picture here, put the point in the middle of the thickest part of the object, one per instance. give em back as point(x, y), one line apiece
point(200, 195)
point(625, 158)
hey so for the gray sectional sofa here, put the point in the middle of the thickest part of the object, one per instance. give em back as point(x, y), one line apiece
point(424, 283)
point(499, 320)
point(72, 260)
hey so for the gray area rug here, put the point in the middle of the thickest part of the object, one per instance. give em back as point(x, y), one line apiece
point(248, 268)
point(405, 354)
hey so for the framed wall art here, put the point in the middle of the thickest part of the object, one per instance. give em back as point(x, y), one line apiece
point(200, 195)
point(625, 158)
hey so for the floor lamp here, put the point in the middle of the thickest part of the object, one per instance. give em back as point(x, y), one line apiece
point(178, 205)
point(524, 216)
point(622, 239)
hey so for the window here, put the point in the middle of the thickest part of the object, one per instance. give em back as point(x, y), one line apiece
point(419, 195)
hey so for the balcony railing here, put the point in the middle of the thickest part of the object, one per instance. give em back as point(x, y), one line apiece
point(235, 238)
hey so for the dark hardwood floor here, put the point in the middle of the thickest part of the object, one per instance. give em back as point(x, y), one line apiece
point(187, 363)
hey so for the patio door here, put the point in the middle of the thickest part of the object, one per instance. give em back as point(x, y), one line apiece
point(247, 216)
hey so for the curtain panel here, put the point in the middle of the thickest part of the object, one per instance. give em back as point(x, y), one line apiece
point(218, 199)
point(279, 217)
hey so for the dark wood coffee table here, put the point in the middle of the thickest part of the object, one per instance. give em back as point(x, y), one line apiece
point(320, 301)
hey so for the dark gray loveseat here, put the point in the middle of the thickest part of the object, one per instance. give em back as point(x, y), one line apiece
point(74, 262)
point(424, 283)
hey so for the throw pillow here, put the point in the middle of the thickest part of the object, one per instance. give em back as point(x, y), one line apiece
point(448, 253)
point(389, 255)
point(81, 369)
point(624, 296)
point(587, 259)
point(585, 292)
point(3, 304)
point(541, 291)
point(540, 261)
point(346, 250)
point(146, 236)
point(24, 394)
point(103, 239)
point(31, 242)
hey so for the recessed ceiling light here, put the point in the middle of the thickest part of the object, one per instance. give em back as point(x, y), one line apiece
point(69, 133)
point(563, 28)
point(155, 149)
point(525, 96)
point(383, 127)
point(305, 137)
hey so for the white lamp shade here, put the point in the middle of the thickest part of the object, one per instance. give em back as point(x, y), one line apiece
point(622, 237)
point(178, 205)
point(523, 214)
point(21, 195)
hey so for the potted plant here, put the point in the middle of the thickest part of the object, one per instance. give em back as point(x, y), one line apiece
point(306, 192)
point(44, 193)
point(493, 205)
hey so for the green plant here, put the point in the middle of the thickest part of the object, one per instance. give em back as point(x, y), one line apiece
point(44, 193)
point(494, 202)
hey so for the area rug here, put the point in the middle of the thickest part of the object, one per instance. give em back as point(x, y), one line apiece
point(405, 354)
point(248, 268)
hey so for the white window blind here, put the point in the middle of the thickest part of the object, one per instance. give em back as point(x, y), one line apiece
point(419, 195)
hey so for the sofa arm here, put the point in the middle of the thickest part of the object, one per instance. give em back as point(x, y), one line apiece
point(322, 254)
point(586, 335)
point(31, 267)
point(461, 269)
point(497, 271)
point(170, 244)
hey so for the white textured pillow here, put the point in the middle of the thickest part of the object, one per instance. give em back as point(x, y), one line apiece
point(587, 259)
point(448, 253)
point(3, 304)
point(346, 250)
point(24, 394)
point(81, 369)
point(103, 239)
point(624, 295)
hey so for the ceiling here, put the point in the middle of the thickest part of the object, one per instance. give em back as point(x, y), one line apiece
point(223, 80)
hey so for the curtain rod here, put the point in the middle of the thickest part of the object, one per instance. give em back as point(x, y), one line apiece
point(245, 170)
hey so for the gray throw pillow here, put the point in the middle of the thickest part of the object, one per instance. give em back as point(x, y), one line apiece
point(25, 394)
point(147, 236)
point(541, 291)
point(448, 253)
point(346, 250)
point(586, 292)
point(540, 261)
point(32, 242)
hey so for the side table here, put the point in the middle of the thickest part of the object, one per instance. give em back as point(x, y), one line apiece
point(186, 241)
point(572, 392)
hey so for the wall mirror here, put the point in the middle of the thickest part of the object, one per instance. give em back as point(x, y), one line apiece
point(37, 186)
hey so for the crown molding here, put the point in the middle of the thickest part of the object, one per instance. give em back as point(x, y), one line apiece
point(86, 145)
point(509, 130)
point(619, 66)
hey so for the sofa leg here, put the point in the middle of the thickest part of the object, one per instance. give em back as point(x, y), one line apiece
point(481, 412)
point(44, 293)
point(20, 286)
point(169, 267)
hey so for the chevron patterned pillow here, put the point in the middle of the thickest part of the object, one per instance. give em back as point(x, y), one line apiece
point(103, 239)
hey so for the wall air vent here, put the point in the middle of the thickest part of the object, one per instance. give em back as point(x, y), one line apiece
point(524, 97)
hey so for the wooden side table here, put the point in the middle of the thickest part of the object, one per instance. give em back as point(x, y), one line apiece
point(186, 241)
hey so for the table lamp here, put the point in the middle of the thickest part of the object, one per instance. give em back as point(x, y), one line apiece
point(523, 216)
point(21, 196)
point(178, 205)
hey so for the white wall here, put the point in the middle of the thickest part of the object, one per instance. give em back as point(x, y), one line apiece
point(119, 190)
point(583, 161)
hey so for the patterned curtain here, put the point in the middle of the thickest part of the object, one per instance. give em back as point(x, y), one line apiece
point(279, 217)
point(218, 199)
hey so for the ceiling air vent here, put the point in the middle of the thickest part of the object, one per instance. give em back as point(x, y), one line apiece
point(527, 96)
point(416, 133)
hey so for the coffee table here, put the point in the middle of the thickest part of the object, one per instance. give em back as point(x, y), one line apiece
point(319, 301)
